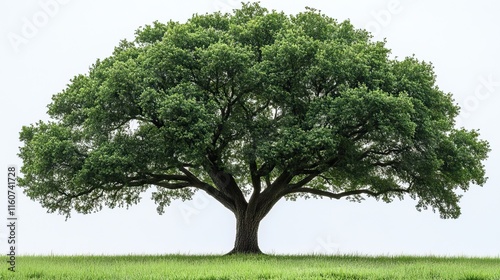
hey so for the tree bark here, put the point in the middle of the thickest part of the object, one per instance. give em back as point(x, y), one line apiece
point(246, 242)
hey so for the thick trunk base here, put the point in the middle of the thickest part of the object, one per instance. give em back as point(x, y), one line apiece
point(246, 241)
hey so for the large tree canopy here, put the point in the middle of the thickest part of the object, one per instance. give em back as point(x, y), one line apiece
point(251, 107)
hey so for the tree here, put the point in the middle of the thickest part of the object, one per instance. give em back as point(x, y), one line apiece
point(251, 107)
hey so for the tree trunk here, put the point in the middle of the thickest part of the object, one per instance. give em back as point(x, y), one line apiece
point(246, 242)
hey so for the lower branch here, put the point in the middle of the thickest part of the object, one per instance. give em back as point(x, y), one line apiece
point(210, 190)
point(343, 194)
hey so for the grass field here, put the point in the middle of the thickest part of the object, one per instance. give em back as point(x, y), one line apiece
point(251, 267)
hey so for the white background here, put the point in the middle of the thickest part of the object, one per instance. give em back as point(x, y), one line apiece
point(43, 46)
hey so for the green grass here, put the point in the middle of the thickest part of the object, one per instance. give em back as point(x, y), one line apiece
point(251, 267)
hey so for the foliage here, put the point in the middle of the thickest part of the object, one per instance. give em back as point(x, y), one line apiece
point(251, 103)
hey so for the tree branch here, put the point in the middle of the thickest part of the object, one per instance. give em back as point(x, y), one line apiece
point(174, 186)
point(306, 180)
point(265, 169)
point(272, 194)
point(210, 190)
point(167, 177)
point(257, 187)
point(343, 194)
